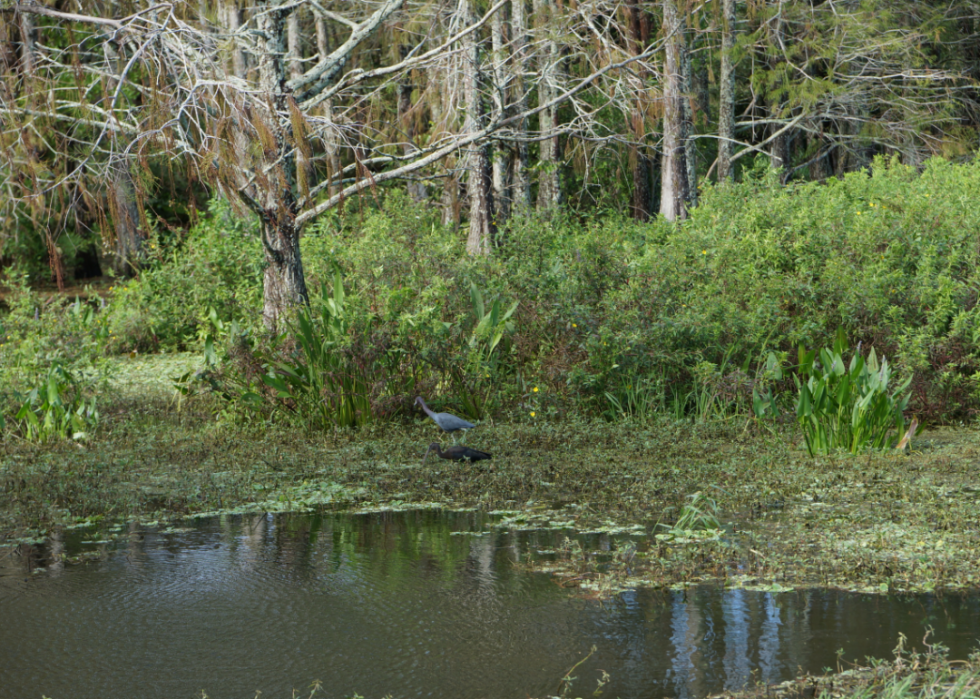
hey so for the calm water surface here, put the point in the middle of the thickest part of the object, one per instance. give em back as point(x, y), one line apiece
point(407, 604)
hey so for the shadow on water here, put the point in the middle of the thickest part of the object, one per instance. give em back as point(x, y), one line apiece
point(418, 604)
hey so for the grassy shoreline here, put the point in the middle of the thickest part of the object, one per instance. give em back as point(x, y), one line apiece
point(879, 523)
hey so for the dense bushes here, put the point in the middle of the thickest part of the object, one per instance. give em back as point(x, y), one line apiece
point(617, 318)
point(217, 268)
point(614, 317)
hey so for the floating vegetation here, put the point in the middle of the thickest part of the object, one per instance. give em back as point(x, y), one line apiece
point(670, 502)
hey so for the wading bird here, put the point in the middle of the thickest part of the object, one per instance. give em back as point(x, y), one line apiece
point(456, 453)
point(449, 423)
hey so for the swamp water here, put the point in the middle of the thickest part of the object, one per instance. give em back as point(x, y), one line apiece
point(416, 604)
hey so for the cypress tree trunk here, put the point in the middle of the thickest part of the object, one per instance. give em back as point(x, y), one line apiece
point(675, 192)
point(233, 20)
point(639, 160)
point(687, 125)
point(125, 257)
point(521, 182)
point(779, 147)
point(284, 283)
point(406, 121)
point(549, 180)
point(479, 185)
point(503, 151)
point(726, 99)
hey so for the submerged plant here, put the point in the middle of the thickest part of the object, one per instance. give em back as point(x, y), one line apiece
point(848, 406)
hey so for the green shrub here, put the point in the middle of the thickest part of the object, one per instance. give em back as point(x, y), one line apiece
point(51, 364)
point(55, 408)
point(615, 317)
point(217, 268)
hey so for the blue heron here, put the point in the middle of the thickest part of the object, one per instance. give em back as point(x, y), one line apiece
point(448, 423)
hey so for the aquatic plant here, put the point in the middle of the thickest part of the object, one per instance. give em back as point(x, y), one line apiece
point(55, 408)
point(848, 406)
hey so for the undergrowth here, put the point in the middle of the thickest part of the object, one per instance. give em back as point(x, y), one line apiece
point(598, 317)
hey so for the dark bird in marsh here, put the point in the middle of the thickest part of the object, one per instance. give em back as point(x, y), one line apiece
point(456, 453)
point(448, 423)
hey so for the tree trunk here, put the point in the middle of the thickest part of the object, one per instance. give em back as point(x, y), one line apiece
point(441, 103)
point(675, 192)
point(406, 120)
point(322, 39)
point(479, 181)
point(549, 158)
point(127, 249)
point(503, 151)
point(779, 146)
point(284, 283)
point(233, 20)
point(687, 126)
point(126, 255)
point(726, 99)
point(521, 182)
point(26, 22)
point(819, 169)
point(292, 42)
point(331, 135)
point(639, 159)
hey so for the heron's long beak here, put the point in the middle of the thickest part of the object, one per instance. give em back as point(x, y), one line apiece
point(426, 456)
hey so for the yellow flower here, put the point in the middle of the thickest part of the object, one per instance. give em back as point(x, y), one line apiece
point(859, 213)
point(704, 252)
point(532, 413)
point(574, 325)
point(535, 389)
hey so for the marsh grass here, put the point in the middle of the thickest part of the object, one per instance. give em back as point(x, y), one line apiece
point(909, 675)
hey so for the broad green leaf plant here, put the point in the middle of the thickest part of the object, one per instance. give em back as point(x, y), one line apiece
point(854, 406)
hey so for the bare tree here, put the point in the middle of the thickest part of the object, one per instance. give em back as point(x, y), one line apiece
point(521, 182)
point(675, 187)
point(479, 187)
point(726, 96)
point(550, 155)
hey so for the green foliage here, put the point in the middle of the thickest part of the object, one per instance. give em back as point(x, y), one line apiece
point(848, 406)
point(697, 521)
point(324, 382)
point(217, 268)
point(606, 317)
point(56, 408)
point(472, 379)
point(36, 334)
point(51, 364)
point(623, 319)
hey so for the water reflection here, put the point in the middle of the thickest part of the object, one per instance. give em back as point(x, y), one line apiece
point(402, 604)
